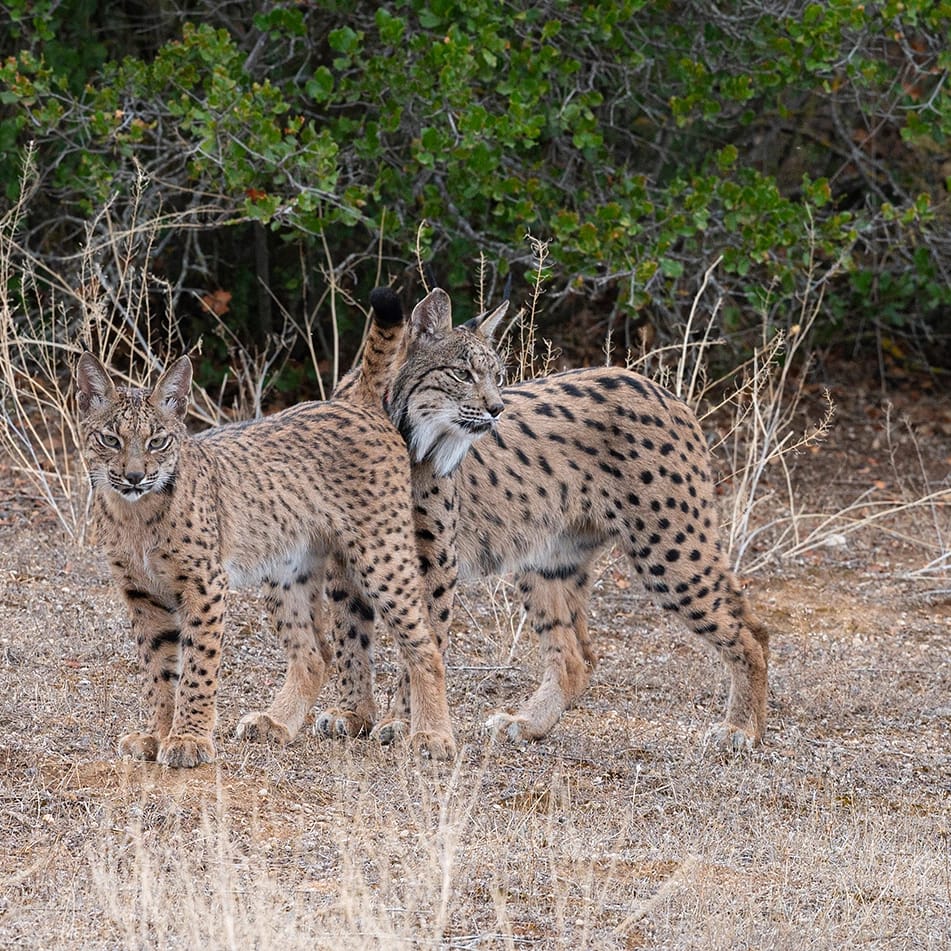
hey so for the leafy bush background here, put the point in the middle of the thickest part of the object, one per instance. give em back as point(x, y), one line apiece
point(804, 145)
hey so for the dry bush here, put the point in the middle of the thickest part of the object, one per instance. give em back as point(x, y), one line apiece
point(103, 299)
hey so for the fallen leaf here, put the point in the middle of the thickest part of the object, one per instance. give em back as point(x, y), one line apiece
point(217, 302)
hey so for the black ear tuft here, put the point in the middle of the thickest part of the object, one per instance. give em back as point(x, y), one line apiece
point(486, 324)
point(386, 307)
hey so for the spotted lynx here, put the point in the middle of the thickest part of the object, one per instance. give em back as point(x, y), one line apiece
point(579, 461)
point(184, 517)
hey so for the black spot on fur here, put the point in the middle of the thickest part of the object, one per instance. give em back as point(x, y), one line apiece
point(168, 636)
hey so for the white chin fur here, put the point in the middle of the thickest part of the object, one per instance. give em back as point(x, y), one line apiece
point(443, 443)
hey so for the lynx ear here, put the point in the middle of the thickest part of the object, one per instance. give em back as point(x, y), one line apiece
point(174, 387)
point(94, 387)
point(486, 326)
point(431, 317)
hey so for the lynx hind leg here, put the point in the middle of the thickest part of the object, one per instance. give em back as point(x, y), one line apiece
point(139, 745)
point(296, 604)
point(556, 602)
point(353, 620)
point(703, 591)
point(748, 664)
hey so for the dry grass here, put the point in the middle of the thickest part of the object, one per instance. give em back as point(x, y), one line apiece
point(619, 831)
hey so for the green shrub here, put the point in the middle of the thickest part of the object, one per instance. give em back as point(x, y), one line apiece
point(798, 144)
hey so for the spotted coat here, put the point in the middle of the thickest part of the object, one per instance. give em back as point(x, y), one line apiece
point(267, 501)
point(578, 462)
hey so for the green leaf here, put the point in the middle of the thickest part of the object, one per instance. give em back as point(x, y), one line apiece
point(320, 86)
point(281, 20)
point(671, 267)
point(431, 140)
point(727, 156)
point(344, 40)
point(392, 28)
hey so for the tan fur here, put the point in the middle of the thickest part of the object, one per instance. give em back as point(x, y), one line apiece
point(267, 501)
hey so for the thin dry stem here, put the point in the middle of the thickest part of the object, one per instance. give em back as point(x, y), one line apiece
point(688, 395)
point(420, 265)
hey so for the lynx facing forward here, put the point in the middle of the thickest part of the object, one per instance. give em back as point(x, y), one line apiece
point(266, 501)
point(580, 461)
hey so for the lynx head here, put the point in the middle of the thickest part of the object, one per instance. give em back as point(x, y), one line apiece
point(132, 437)
point(446, 395)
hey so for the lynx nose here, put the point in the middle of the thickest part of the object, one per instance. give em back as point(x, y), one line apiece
point(134, 478)
point(495, 410)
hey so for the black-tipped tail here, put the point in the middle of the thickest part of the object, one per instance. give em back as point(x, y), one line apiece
point(386, 307)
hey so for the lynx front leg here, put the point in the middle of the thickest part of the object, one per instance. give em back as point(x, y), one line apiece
point(429, 724)
point(556, 602)
point(190, 740)
point(430, 727)
point(155, 627)
point(297, 612)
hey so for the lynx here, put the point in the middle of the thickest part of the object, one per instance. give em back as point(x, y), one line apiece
point(579, 461)
point(268, 501)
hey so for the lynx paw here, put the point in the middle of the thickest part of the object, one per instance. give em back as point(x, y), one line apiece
point(434, 744)
point(390, 730)
point(262, 728)
point(343, 724)
point(729, 738)
point(510, 726)
point(182, 750)
point(139, 746)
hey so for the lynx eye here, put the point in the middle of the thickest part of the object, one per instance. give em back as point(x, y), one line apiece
point(109, 441)
point(462, 375)
point(159, 443)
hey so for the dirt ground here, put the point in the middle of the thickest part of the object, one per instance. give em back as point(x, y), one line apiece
point(619, 830)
